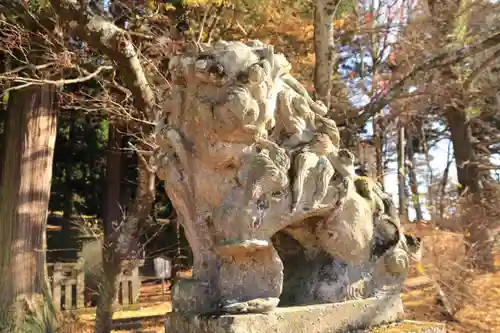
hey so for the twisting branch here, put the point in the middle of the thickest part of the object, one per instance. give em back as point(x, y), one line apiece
point(437, 61)
point(113, 42)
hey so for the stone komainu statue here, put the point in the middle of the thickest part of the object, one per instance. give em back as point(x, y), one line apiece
point(254, 169)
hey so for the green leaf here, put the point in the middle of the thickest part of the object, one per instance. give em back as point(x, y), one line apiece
point(5, 98)
point(473, 112)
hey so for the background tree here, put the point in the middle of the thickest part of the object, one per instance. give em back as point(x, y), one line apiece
point(430, 68)
point(25, 189)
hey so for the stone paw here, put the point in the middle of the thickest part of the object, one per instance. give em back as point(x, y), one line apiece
point(241, 248)
point(258, 305)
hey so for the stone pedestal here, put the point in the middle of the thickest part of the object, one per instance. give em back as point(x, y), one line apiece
point(323, 318)
point(408, 326)
point(246, 154)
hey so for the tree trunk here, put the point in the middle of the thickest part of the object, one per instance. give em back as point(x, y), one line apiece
point(112, 211)
point(463, 150)
point(415, 195)
point(24, 196)
point(471, 178)
point(324, 49)
point(377, 143)
point(4, 64)
point(121, 240)
point(3, 122)
point(128, 246)
point(112, 217)
point(443, 185)
point(412, 175)
point(68, 174)
point(401, 176)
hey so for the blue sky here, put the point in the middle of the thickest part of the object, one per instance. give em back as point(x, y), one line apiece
point(439, 153)
point(359, 88)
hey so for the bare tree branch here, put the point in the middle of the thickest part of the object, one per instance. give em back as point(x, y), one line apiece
point(202, 24)
point(29, 81)
point(437, 61)
point(472, 78)
point(113, 42)
point(22, 68)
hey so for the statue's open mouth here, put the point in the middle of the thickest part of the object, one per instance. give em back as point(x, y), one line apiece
point(271, 206)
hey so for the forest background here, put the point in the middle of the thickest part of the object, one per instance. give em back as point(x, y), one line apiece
point(413, 86)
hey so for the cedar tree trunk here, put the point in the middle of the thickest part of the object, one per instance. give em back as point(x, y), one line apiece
point(30, 134)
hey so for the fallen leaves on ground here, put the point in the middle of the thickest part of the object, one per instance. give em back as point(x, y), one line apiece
point(479, 315)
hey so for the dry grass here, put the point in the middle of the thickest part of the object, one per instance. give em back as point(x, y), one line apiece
point(476, 296)
point(479, 316)
point(447, 262)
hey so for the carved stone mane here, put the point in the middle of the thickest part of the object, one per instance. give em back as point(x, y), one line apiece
point(254, 169)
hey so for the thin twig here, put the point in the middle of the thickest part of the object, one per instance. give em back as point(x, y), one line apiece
point(202, 25)
point(30, 81)
point(215, 22)
point(21, 68)
point(473, 77)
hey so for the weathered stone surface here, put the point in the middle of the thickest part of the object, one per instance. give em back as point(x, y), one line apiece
point(247, 156)
point(408, 326)
point(324, 318)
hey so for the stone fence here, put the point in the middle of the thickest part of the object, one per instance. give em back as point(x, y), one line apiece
point(67, 281)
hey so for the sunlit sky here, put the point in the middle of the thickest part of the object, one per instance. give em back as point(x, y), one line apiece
point(439, 152)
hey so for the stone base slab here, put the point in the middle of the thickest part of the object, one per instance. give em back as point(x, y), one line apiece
point(408, 326)
point(348, 316)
